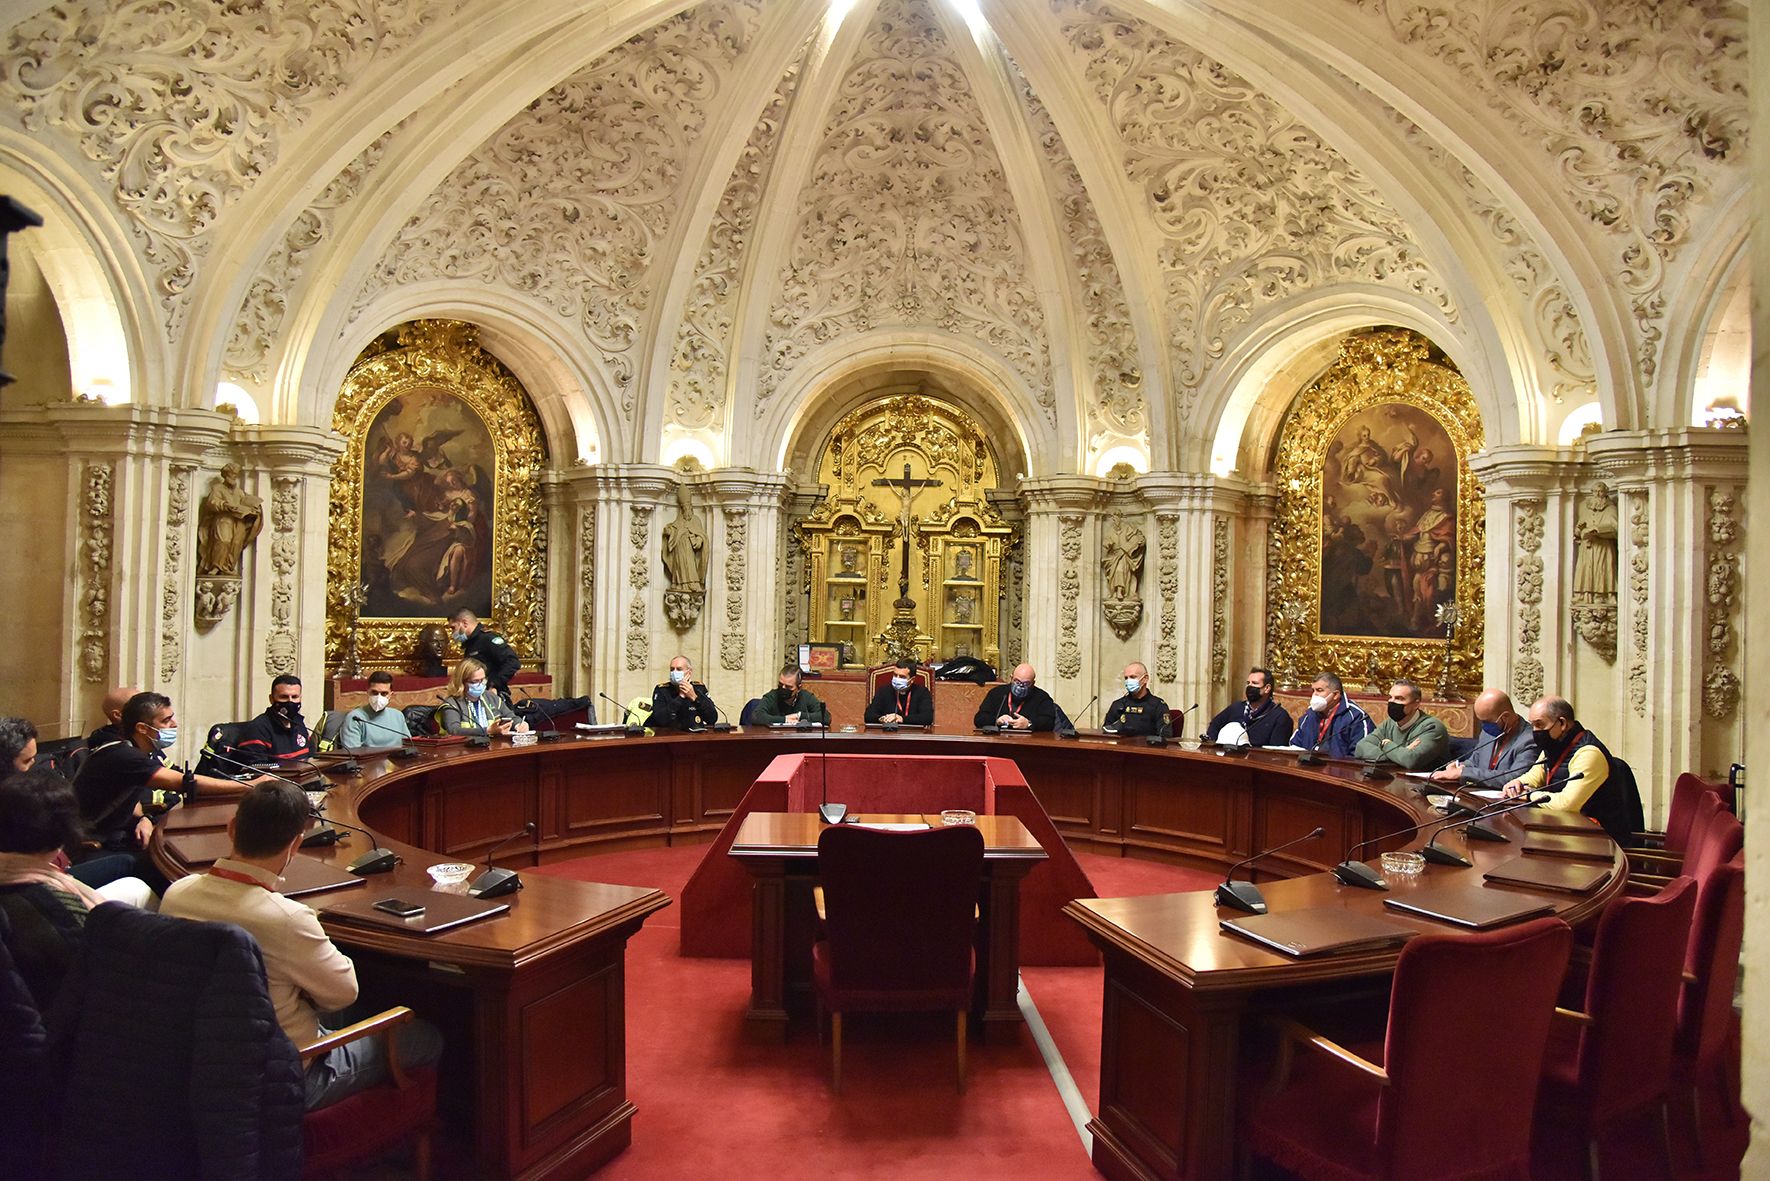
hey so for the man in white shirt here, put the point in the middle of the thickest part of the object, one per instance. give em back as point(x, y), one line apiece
point(309, 978)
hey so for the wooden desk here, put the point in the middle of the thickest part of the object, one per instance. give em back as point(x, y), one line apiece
point(1179, 993)
point(780, 849)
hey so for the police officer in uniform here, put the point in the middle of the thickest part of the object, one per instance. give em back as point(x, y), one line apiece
point(489, 648)
point(1139, 711)
point(682, 702)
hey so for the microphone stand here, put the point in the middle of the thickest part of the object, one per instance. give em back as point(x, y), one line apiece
point(633, 729)
point(1245, 895)
point(831, 813)
point(551, 733)
point(402, 751)
point(1069, 731)
point(1179, 731)
point(1430, 850)
point(496, 881)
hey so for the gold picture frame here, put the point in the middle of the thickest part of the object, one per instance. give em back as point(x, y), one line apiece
point(439, 360)
point(1371, 509)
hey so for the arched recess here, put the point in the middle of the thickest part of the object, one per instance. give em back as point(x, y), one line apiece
point(1280, 354)
point(575, 403)
point(1707, 352)
point(833, 380)
point(115, 350)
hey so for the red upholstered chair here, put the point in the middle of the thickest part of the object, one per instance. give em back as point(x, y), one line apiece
point(900, 915)
point(1706, 1045)
point(1614, 1057)
point(368, 1123)
point(880, 675)
point(1437, 1106)
point(1687, 792)
point(1698, 823)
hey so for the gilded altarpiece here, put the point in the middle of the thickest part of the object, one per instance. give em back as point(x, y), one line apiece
point(1376, 562)
point(436, 502)
point(852, 540)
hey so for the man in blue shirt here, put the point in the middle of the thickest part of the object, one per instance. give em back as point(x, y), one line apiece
point(1331, 725)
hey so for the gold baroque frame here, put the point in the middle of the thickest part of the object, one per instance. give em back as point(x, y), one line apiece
point(445, 354)
point(1376, 367)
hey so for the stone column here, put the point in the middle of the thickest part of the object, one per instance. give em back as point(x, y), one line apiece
point(1196, 564)
point(620, 636)
point(741, 584)
point(1061, 599)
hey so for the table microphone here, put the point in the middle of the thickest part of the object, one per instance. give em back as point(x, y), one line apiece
point(634, 729)
point(1430, 850)
point(1180, 730)
point(401, 752)
point(496, 881)
point(724, 727)
point(551, 733)
point(1372, 765)
point(831, 813)
point(1069, 731)
point(1357, 873)
point(1245, 895)
point(376, 860)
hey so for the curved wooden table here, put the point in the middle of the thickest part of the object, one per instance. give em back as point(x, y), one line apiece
point(538, 993)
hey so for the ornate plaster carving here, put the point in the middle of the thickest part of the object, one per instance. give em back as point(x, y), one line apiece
point(182, 108)
point(1639, 108)
point(178, 507)
point(1721, 684)
point(1069, 590)
point(571, 201)
point(906, 218)
point(587, 587)
point(95, 532)
point(638, 578)
point(280, 648)
point(737, 543)
point(1167, 652)
point(1638, 583)
point(1594, 572)
point(1527, 672)
point(700, 358)
point(1219, 598)
point(1251, 205)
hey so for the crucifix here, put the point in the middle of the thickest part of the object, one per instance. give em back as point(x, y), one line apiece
point(907, 488)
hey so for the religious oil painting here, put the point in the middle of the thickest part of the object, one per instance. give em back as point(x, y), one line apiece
point(1388, 524)
point(429, 498)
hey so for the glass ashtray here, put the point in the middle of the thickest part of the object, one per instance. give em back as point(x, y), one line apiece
point(1403, 865)
point(316, 800)
point(450, 876)
point(958, 816)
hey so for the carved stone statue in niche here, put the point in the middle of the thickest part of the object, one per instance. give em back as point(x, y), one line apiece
point(1121, 563)
point(228, 520)
point(685, 561)
point(1594, 572)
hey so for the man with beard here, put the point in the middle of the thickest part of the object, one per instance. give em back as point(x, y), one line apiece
point(1256, 721)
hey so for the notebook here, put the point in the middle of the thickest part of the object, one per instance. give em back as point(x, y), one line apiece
point(197, 849)
point(1318, 931)
point(309, 875)
point(1549, 873)
point(441, 911)
point(189, 816)
point(1543, 820)
point(1573, 846)
point(1470, 906)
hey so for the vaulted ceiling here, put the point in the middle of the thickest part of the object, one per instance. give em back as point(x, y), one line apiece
point(681, 223)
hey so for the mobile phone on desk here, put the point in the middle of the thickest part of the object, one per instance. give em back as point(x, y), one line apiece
point(400, 908)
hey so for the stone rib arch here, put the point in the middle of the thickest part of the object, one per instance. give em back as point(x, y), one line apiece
point(1698, 297)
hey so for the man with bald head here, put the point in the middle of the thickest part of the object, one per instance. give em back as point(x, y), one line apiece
point(1577, 771)
point(1504, 751)
point(1018, 705)
point(1139, 711)
point(112, 708)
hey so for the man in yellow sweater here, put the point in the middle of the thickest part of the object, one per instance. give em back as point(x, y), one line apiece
point(1575, 769)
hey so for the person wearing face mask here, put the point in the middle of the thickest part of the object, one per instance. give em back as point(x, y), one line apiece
point(374, 724)
point(307, 976)
point(489, 648)
point(1256, 720)
point(112, 709)
point(682, 701)
point(1409, 737)
point(279, 734)
point(1331, 725)
point(902, 701)
point(1018, 705)
point(1504, 751)
point(1577, 771)
point(474, 708)
point(125, 780)
point(1139, 711)
point(788, 703)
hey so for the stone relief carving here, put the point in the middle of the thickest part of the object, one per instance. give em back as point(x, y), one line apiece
point(570, 201)
point(685, 561)
point(1638, 623)
point(178, 507)
point(1114, 404)
point(1251, 204)
point(587, 587)
point(1122, 547)
point(737, 541)
point(229, 520)
point(906, 218)
point(1219, 598)
point(1721, 684)
point(1167, 652)
point(96, 517)
point(1639, 108)
point(280, 648)
point(1069, 590)
point(183, 107)
point(638, 578)
point(704, 337)
point(1527, 673)
point(1595, 531)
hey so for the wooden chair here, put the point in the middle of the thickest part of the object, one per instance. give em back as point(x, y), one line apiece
point(368, 1123)
point(1687, 792)
point(1706, 1046)
point(1715, 836)
point(899, 921)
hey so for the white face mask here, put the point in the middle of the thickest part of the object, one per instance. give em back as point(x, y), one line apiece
point(377, 702)
point(1318, 703)
point(1132, 684)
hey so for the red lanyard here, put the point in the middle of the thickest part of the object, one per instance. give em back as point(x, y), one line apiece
point(1494, 762)
point(1327, 726)
point(1564, 754)
point(903, 705)
point(1013, 710)
point(215, 871)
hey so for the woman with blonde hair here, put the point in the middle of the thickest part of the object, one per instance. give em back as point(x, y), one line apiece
point(474, 708)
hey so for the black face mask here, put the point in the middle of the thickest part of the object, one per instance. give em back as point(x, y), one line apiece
point(1396, 711)
point(1548, 745)
point(789, 695)
point(289, 710)
point(1252, 692)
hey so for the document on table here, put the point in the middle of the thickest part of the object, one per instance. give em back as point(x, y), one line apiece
point(913, 826)
point(1486, 793)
